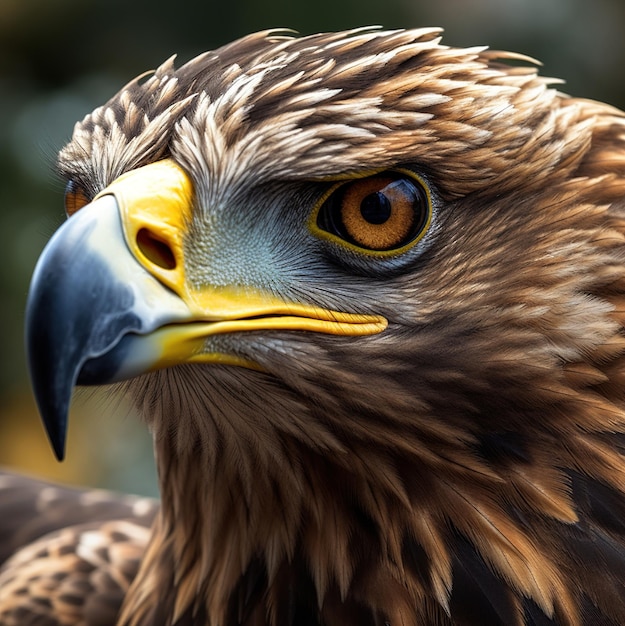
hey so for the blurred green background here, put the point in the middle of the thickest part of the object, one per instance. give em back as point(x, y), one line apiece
point(61, 58)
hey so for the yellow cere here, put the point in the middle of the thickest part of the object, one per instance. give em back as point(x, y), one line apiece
point(155, 202)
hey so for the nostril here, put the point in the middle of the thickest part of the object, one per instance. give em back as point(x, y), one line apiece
point(155, 250)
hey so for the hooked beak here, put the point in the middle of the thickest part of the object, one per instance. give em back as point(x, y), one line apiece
point(109, 299)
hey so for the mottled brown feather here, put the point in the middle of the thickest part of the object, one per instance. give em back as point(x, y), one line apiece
point(73, 553)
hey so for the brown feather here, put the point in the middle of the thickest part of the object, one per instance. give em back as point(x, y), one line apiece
point(465, 466)
point(78, 552)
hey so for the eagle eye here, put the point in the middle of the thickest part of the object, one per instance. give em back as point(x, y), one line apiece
point(381, 213)
point(75, 197)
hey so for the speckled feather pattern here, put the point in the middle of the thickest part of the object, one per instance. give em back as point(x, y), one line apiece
point(465, 466)
point(68, 556)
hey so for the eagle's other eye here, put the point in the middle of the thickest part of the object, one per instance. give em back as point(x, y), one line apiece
point(75, 197)
point(381, 213)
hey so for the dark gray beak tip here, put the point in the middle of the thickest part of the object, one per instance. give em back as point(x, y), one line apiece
point(57, 440)
point(51, 378)
point(54, 419)
point(59, 452)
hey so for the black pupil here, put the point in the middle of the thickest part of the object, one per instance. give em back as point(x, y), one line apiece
point(376, 208)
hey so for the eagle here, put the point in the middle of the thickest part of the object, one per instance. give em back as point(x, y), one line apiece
point(367, 291)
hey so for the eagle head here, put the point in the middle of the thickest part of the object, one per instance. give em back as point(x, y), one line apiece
point(367, 292)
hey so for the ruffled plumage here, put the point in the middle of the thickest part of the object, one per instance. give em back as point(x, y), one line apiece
point(464, 467)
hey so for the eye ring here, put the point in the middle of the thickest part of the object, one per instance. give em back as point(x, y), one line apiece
point(75, 197)
point(382, 215)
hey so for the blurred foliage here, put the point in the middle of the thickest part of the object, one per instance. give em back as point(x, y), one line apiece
point(61, 58)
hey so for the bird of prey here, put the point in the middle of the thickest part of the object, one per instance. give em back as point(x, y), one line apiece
point(367, 291)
